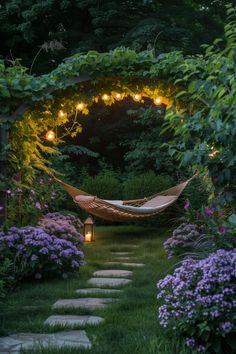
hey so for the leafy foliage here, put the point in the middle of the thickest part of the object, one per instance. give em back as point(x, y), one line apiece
point(205, 128)
point(145, 147)
point(145, 184)
point(94, 25)
point(104, 185)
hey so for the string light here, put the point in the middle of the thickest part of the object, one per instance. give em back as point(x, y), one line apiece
point(213, 152)
point(105, 97)
point(50, 135)
point(61, 114)
point(80, 106)
point(137, 97)
point(118, 96)
point(157, 101)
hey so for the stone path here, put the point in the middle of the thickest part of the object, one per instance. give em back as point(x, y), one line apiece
point(98, 291)
point(126, 264)
point(72, 320)
point(100, 280)
point(90, 303)
point(73, 339)
point(112, 273)
point(108, 281)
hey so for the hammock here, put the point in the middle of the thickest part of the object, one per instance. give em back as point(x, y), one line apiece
point(125, 210)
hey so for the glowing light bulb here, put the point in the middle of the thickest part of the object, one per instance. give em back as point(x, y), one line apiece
point(80, 106)
point(105, 97)
point(157, 101)
point(50, 135)
point(118, 96)
point(137, 97)
point(61, 113)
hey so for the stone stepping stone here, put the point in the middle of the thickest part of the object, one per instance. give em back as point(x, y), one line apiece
point(113, 273)
point(124, 258)
point(72, 320)
point(98, 291)
point(73, 339)
point(108, 281)
point(126, 264)
point(91, 303)
point(122, 253)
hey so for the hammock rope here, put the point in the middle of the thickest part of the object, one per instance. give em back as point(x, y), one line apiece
point(127, 210)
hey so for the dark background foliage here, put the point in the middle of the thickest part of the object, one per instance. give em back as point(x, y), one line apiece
point(61, 28)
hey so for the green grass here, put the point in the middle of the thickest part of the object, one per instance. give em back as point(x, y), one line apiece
point(130, 326)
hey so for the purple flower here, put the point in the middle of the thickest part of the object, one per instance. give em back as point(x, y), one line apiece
point(190, 342)
point(201, 348)
point(34, 258)
point(37, 205)
point(200, 291)
point(208, 211)
point(222, 230)
point(186, 204)
point(53, 248)
point(226, 327)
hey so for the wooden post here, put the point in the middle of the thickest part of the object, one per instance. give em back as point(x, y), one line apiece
point(3, 173)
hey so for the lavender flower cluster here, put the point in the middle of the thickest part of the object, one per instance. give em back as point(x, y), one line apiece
point(69, 218)
point(200, 298)
point(45, 254)
point(62, 226)
point(184, 238)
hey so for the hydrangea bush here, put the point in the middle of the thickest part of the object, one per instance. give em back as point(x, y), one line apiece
point(62, 226)
point(199, 301)
point(45, 254)
point(188, 238)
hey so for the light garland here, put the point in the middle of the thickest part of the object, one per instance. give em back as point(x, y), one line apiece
point(80, 106)
point(118, 96)
point(105, 97)
point(50, 135)
point(62, 114)
point(157, 101)
point(137, 97)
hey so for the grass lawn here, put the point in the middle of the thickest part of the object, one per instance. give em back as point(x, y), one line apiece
point(130, 325)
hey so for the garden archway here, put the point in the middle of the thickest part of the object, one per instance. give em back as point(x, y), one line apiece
point(58, 98)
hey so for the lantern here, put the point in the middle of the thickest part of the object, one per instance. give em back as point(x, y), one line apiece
point(89, 235)
point(50, 135)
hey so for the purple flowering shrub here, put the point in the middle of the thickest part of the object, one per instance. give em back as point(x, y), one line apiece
point(25, 205)
point(45, 254)
point(187, 238)
point(62, 226)
point(62, 218)
point(199, 302)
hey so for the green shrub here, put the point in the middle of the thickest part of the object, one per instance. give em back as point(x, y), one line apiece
point(145, 185)
point(6, 276)
point(104, 185)
point(198, 192)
